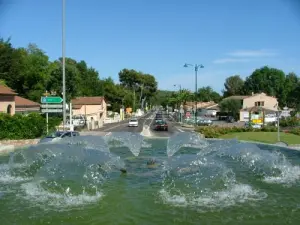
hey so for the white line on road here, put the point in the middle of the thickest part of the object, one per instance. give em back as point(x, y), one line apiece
point(110, 128)
point(179, 129)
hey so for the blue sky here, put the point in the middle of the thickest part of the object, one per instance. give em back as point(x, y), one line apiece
point(159, 36)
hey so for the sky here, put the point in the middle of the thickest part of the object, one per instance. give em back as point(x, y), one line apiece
point(158, 36)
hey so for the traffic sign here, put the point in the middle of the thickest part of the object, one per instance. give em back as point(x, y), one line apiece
point(51, 100)
point(52, 110)
point(52, 106)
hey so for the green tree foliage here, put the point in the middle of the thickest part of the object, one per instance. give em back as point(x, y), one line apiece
point(30, 73)
point(142, 85)
point(206, 94)
point(273, 82)
point(25, 126)
point(231, 106)
point(268, 80)
point(234, 85)
point(162, 98)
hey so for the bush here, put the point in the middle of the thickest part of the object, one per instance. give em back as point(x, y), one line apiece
point(215, 132)
point(25, 126)
point(295, 131)
point(289, 122)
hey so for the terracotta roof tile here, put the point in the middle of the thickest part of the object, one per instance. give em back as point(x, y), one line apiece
point(237, 97)
point(21, 102)
point(6, 90)
point(88, 100)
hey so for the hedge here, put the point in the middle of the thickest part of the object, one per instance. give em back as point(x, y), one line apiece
point(215, 131)
point(28, 126)
point(289, 122)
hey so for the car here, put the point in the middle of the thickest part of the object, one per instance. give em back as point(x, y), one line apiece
point(204, 122)
point(161, 125)
point(133, 122)
point(55, 136)
point(158, 117)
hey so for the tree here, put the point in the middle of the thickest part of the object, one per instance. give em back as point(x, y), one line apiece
point(268, 80)
point(72, 79)
point(234, 85)
point(231, 106)
point(206, 94)
point(142, 85)
point(291, 84)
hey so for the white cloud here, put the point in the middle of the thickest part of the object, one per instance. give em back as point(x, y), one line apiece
point(253, 53)
point(230, 60)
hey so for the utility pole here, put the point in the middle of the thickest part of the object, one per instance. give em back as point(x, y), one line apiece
point(63, 64)
point(196, 66)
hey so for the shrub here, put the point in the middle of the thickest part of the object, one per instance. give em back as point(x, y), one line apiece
point(215, 132)
point(289, 122)
point(25, 126)
point(295, 131)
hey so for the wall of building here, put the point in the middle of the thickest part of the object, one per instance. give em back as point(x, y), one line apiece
point(269, 102)
point(95, 114)
point(5, 101)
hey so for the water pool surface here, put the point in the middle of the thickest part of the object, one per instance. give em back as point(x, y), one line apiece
point(192, 181)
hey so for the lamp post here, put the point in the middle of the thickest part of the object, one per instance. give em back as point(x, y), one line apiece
point(63, 64)
point(196, 67)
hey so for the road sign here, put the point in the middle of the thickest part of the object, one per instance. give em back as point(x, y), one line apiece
point(52, 110)
point(51, 100)
point(52, 106)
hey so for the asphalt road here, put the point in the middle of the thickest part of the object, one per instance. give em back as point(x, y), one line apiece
point(146, 120)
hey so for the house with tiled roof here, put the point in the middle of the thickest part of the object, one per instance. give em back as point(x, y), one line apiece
point(7, 100)
point(11, 103)
point(257, 105)
point(94, 109)
point(24, 105)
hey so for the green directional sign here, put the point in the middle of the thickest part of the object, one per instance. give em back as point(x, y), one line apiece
point(51, 100)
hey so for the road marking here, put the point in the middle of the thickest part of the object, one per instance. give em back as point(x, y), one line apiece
point(179, 129)
point(110, 128)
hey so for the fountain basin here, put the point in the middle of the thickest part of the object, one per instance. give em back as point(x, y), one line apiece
point(225, 182)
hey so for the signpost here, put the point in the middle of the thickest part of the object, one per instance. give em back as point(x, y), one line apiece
point(51, 104)
point(51, 100)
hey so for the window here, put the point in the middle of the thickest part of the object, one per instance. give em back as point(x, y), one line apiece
point(259, 103)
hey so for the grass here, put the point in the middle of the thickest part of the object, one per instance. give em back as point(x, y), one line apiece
point(266, 137)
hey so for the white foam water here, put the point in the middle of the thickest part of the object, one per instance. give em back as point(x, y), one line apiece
point(237, 193)
point(184, 139)
point(127, 139)
point(36, 194)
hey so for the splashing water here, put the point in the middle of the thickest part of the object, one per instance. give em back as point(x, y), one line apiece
point(184, 139)
point(133, 141)
point(206, 176)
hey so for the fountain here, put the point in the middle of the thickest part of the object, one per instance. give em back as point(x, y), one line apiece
point(185, 179)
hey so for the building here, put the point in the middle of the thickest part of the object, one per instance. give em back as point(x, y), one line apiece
point(94, 110)
point(7, 100)
point(11, 103)
point(258, 106)
point(24, 106)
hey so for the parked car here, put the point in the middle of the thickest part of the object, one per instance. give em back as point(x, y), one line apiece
point(133, 122)
point(252, 125)
point(161, 125)
point(59, 135)
point(204, 122)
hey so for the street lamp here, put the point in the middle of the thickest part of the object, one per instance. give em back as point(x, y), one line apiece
point(196, 66)
point(63, 64)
